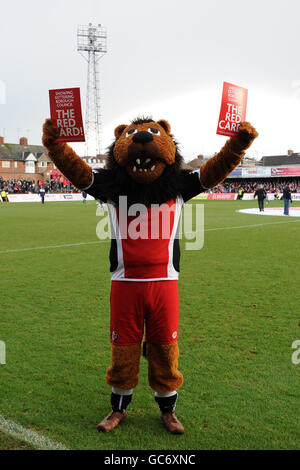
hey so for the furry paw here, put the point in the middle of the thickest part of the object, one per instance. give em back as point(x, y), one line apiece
point(247, 132)
point(50, 133)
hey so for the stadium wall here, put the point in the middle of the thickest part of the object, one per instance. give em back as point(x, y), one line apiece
point(62, 197)
point(234, 196)
point(49, 197)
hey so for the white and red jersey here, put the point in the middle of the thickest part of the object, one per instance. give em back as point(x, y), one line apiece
point(145, 247)
point(150, 250)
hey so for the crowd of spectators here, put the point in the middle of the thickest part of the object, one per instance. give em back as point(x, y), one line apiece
point(274, 185)
point(30, 186)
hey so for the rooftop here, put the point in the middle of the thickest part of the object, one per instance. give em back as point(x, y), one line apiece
point(278, 160)
point(19, 151)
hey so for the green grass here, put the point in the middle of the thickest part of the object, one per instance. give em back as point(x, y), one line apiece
point(239, 314)
point(8, 443)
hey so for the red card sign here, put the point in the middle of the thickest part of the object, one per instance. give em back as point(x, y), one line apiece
point(65, 109)
point(233, 109)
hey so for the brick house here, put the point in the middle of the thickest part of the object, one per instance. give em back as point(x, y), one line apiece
point(31, 162)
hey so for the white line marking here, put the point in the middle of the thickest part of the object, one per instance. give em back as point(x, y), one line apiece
point(31, 437)
point(53, 246)
point(19, 250)
point(247, 226)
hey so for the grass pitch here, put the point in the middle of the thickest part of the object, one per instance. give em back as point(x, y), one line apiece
point(8, 443)
point(239, 314)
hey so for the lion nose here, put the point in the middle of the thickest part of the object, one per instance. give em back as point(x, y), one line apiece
point(142, 137)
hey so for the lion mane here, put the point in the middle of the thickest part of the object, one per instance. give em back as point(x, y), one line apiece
point(117, 182)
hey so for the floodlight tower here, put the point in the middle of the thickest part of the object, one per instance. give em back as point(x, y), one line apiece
point(92, 45)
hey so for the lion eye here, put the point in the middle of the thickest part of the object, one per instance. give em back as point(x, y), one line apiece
point(152, 130)
point(130, 132)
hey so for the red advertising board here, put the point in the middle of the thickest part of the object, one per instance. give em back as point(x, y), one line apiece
point(65, 110)
point(233, 109)
point(289, 171)
point(222, 196)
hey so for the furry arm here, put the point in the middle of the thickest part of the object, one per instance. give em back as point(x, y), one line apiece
point(217, 168)
point(64, 157)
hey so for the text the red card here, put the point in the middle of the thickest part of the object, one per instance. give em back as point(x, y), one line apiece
point(233, 109)
point(65, 110)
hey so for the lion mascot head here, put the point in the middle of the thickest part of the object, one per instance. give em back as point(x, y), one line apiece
point(144, 162)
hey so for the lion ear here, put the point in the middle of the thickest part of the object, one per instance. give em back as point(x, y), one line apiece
point(119, 130)
point(165, 125)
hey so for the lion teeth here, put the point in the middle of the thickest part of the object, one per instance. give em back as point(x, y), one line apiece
point(134, 168)
point(148, 160)
point(140, 169)
point(138, 161)
point(153, 167)
point(145, 169)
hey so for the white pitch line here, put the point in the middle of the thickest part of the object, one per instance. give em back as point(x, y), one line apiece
point(248, 226)
point(19, 250)
point(31, 437)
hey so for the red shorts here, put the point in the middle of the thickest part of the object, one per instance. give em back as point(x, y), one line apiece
point(150, 304)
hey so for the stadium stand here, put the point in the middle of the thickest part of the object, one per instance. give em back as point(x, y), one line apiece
point(24, 168)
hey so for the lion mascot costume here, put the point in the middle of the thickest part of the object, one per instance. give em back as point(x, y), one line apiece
point(144, 166)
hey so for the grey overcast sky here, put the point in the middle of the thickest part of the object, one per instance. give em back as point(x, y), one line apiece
point(165, 57)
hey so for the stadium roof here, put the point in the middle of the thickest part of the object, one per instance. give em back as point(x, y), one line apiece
point(278, 160)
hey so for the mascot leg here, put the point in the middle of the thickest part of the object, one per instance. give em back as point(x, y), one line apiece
point(165, 379)
point(162, 352)
point(123, 372)
point(122, 375)
point(163, 373)
point(126, 329)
